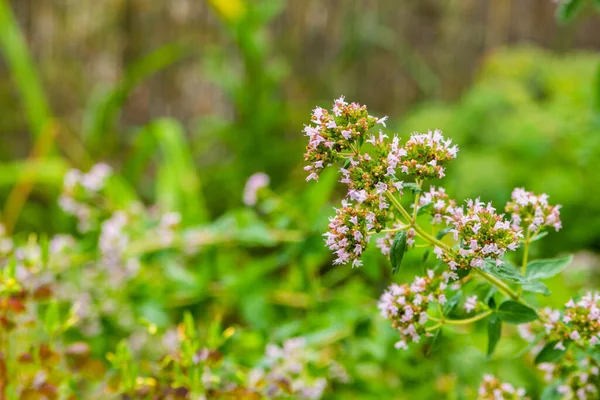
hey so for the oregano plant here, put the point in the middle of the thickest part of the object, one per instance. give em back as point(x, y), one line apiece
point(390, 198)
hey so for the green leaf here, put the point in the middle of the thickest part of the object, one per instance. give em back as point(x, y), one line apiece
point(489, 296)
point(360, 141)
point(538, 236)
point(536, 287)
point(550, 354)
point(436, 342)
point(452, 303)
point(494, 333)
point(425, 209)
point(178, 186)
point(413, 187)
point(551, 393)
point(544, 269)
point(189, 325)
point(567, 10)
point(463, 272)
point(23, 68)
point(397, 251)
point(513, 312)
point(52, 319)
point(507, 272)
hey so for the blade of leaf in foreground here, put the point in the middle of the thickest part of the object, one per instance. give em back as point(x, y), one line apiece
point(16, 54)
point(178, 186)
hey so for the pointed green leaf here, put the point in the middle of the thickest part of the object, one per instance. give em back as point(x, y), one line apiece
point(452, 303)
point(397, 251)
point(567, 10)
point(550, 354)
point(507, 272)
point(536, 287)
point(413, 187)
point(539, 236)
point(513, 312)
point(494, 333)
point(544, 269)
point(436, 342)
point(551, 393)
point(425, 208)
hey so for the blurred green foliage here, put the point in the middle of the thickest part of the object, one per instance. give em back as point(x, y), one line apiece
point(531, 120)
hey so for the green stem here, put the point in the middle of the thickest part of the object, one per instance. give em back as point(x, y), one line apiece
point(421, 232)
point(433, 327)
point(465, 321)
point(398, 206)
point(525, 259)
point(392, 230)
point(416, 205)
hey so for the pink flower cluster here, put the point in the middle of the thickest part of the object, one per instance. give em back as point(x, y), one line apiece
point(367, 176)
point(79, 188)
point(483, 234)
point(427, 154)
point(580, 321)
point(440, 202)
point(348, 232)
point(492, 388)
point(406, 305)
point(532, 212)
point(334, 132)
point(580, 378)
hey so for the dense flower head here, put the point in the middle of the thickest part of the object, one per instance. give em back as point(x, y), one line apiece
point(365, 174)
point(580, 321)
point(439, 201)
point(334, 132)
point(580, 379)
point(406, 305)
point(532, 212)
point(80, 189)
point(426, 155)
point(286, 371)
point(349, 229)
point(492, 388)
point(482, 233)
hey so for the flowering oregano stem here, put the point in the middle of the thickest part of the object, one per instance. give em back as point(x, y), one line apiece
point(423, 234)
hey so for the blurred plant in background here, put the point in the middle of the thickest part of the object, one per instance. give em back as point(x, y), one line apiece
point(540, 113)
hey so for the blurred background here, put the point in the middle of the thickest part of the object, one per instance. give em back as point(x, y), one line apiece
point(186, 99)
point(241, 76)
